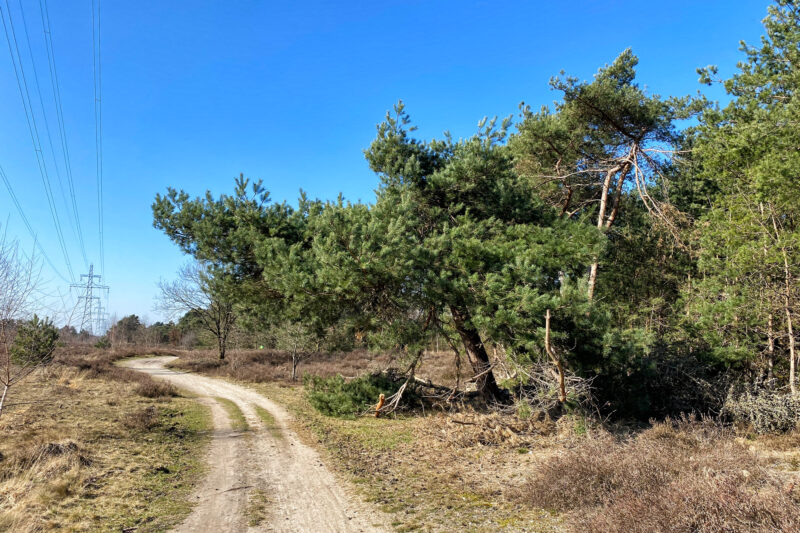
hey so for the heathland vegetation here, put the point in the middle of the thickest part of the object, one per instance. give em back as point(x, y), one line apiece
point(584, 318)
point(619, 256)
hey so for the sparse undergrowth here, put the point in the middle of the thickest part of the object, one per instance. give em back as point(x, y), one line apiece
point(477, 471)
point(676, 476)
point(82, 454)
point(269, 421)
point(257, 507)
point(275, 366)
point(409, 467)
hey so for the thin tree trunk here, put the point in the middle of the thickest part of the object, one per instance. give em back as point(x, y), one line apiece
point(770, 348)
point(601, 218)
point(562, 389)
point(478, 357)
point(592, 279)
point(770, 320)
point(3, 399)
point(294, 365)
point(618, 194)
point(787, 307)
point(566, 202)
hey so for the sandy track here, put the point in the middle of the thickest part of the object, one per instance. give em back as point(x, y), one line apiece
point(302, 494)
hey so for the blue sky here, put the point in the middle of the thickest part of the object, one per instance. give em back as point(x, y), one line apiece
point(195, 92)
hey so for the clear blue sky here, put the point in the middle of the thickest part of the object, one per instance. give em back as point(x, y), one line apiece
point(195, 92)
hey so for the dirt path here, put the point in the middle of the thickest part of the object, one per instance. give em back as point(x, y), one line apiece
point(265, 466)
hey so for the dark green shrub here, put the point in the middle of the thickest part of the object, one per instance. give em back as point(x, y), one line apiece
point(334, 396)
point(103, 343)
point(35, 342)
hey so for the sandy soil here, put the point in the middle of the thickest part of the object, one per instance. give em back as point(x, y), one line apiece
point(301, 493)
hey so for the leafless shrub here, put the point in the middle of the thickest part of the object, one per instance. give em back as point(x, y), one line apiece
point(19, 278)
point(763, 410)
point(541, 390)
point(676, 477)
point(275, 365)
point(156, 389)
point(99, 364)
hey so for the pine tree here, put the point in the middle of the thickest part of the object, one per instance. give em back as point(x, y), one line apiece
point(749, 248)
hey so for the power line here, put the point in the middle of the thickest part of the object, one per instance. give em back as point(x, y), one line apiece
point(47, 125)
point(51, 61)
point(34, 132)
point(28, 225)
point(98, 122)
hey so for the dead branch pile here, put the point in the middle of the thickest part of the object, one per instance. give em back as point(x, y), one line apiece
point(542, 393)
point(494, 429)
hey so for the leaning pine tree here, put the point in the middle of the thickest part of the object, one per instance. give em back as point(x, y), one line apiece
point(455, 241)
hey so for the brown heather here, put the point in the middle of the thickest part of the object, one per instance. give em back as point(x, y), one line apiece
point(100, 364)
point(674, 477)
point(261, 366)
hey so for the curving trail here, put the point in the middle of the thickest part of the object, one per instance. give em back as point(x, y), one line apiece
point(271, 464)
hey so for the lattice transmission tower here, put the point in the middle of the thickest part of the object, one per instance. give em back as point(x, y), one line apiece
point(89, 305)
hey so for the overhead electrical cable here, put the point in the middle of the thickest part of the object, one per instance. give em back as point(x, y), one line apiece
point(22, 85)
point(24, 218)
point(56, 86)
point(98, 123)
point(72, 218)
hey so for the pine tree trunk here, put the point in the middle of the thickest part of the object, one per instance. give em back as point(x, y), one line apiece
point(601, 218)
point(562, 389)
point(478, 357)
point(221, 344)
point(789, 326)
point(592, 279)
point(604, 222)
point(770, 348)
point(787, 306)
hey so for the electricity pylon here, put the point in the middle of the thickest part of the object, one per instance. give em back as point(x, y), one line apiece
point(92, 319)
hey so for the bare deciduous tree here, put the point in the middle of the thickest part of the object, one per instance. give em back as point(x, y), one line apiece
point(296, 338)
point(198, 292)
point(19, 277)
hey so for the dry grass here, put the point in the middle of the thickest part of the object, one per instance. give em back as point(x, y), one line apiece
point(96, 363)
point(478, 471)
point(143, 419)
point(411, 468)
point(80, 453)
point(674, 477)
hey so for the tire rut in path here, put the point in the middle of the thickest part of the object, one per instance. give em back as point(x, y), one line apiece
point(302, 494)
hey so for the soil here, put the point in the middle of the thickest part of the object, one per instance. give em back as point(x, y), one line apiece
point(267, 462)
